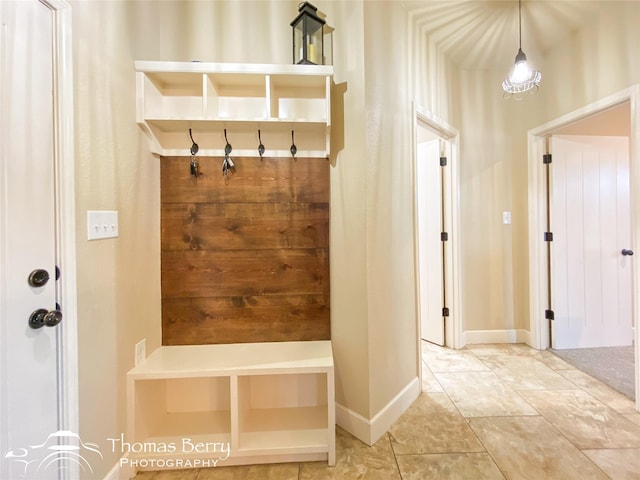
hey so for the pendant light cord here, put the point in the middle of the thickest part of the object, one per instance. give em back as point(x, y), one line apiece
point(520, 24)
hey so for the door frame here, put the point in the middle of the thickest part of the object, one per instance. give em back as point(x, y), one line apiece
point(66, 212)
point(538, 281)
point(453, 334)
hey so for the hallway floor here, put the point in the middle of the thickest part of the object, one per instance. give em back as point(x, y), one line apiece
point(486, 412)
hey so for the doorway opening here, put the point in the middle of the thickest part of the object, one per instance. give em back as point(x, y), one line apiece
point(613, 118)
point(436, 230)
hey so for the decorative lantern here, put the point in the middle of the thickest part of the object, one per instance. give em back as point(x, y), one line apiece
point(308, 38)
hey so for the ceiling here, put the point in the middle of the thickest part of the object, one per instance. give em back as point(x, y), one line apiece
point(483, 34)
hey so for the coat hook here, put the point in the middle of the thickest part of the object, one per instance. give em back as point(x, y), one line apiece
point(227, 147)
point(293, 148)
point(227, 163)
point(194, 149)
point(261, 146)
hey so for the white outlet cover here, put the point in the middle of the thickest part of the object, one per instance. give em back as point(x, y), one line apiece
point(506, 218)
point(140, 352)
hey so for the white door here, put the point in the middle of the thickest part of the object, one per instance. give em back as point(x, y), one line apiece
point(430, 247)
point(28, 356)
point(591, 223)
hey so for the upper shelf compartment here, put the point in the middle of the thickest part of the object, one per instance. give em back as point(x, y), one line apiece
point(173, 97)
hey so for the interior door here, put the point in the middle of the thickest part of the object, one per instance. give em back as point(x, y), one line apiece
point(591, 223)
point(430, 253)
point(28, 355)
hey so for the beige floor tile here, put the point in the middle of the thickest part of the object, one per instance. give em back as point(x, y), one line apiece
point(429, 382)
point(190, 474)
point(525, 372)
point(433, 425)
point(530, 448)
point(607, 395)
point(355, 460)
point(483, 394)
point(584, 420)
point(251, 472)
point(440, 359)
point(449, 466)
point(633, 417)
point(620, 464)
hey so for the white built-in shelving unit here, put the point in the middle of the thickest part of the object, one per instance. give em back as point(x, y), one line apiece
point(173, 97)
point(270, 402)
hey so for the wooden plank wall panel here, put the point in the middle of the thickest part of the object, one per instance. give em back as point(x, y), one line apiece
point(244, 272)
point(233, 226)
point(245, 259)
point(276, 318)
point(272, 180)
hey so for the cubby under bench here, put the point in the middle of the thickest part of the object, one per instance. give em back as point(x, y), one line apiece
point(231, 404)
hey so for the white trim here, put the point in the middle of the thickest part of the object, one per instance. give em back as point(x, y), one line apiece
point(474, 337)
point(369, 431)
point(537, 255)
point(453, 286)
point(354, 423)
point(63, 84)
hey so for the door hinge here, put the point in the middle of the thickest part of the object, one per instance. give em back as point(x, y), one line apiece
point(444, 237)
point(548, 236)
point(443, 161)
point(445, 312)
point(546, 158)
point(549, 315)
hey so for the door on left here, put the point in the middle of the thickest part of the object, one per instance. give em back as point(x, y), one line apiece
point(29, 357)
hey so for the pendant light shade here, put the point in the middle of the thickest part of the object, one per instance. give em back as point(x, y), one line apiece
point(522, 78)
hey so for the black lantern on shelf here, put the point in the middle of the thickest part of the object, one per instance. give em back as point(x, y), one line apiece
point(308, 37)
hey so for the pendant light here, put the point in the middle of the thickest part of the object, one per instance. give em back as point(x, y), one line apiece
point(522, 78)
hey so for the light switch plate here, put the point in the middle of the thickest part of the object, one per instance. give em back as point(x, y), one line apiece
point(102, 224)
point(506, 218)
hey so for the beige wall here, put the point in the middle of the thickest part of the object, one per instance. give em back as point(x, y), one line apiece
point(348, 246)
point(493, 179)
point(391, 279)
point(119, 279)
point(594, 62)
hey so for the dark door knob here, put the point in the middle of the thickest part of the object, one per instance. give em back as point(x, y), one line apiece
point(38, 278)
point(53, 318)
point(41, 317)
point(627, 252)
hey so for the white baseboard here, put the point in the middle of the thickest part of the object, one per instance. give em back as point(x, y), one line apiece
point(124, 472)
point(369, 431)
point(474, 337)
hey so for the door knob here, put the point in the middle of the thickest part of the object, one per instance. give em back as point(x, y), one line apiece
point(41, 317)
point(38, 278)
point(627, 252)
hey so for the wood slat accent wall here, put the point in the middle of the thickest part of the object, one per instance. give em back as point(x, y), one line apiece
point(245, 259)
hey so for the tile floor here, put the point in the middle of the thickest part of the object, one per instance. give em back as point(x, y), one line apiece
point(486, 412)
